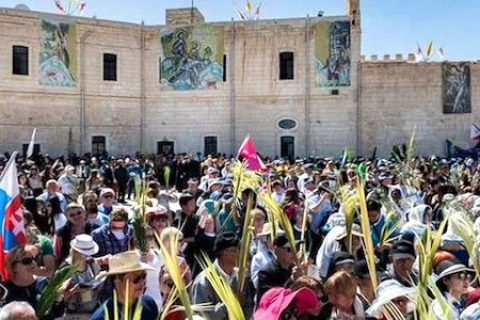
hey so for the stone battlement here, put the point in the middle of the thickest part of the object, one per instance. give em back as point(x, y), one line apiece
point(398, 57)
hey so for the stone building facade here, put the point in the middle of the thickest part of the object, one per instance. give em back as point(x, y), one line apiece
point(173, 92)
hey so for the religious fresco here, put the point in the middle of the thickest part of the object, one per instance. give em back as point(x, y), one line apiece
point(192, 57)
point(58, 54)
point(332, 54)
point(456, 88)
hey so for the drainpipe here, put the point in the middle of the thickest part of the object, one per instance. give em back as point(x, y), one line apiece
point(83, 38)
point(307, 86)
point(232, 91)
point(142, 87)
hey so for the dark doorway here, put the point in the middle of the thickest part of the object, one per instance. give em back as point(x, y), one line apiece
point(210, 146)
point(36, 149)
point(165, 147)
point(99, 146)
point(287, 147)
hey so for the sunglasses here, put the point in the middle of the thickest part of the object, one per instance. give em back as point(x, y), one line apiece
point(463, 276)
point(140, 278)
point(400, 301)
point(26, 261)
point(75, 214)
point(108, 196)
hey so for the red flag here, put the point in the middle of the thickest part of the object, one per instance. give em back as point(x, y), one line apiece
point(248, 152)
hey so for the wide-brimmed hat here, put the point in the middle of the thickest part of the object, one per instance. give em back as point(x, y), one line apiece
point(84, 244)
point(157, 211)
point(387, 291)
point(276, 300)
point(448, 267)
point(107, 191)
point(267, 230)
point(125, 262)
point(356, 231)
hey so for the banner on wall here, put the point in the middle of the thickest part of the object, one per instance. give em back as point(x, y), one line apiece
point(192, 57)
point(58, 55)
point(332, 54)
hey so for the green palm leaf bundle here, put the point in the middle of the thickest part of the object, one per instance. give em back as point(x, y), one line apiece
point(222, 288)
point(171, 262)
point(277, 216)
point(247, 233)
point(350, 206)
point(367, 239)
point(426, 287)
point(55, 287)
point(139, 223)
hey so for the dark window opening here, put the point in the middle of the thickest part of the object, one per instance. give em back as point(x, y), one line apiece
point(98, 145)
point(287, 147)
point(286, 65)
point(36, 149)
point(224, 67)
point(210, 146)
point(20, 60)
point(109, 67)
point(160, 69)
point(165, 147)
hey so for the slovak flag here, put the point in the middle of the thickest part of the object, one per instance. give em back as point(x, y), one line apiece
point(11, 218)
point(248, 152)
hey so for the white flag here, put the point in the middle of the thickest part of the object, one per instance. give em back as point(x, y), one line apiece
point(474, 132)
point(31, 144)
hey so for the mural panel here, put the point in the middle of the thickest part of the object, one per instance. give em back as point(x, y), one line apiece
point(192, 57)
point(456, 88)
point(58, 54)
point(332, 54)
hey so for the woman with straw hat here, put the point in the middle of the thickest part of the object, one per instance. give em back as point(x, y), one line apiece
point(82, 297)
point(128, 275)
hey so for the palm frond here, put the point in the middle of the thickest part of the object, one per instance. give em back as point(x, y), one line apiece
point(367, 239)
point(278, 216)
point(245, 244)
point(350, 201)
point(53, 289)
point(222, 288)
point(173, 267)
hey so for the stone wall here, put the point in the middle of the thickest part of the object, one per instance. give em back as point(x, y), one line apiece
point(384, 101)
point(398, 96)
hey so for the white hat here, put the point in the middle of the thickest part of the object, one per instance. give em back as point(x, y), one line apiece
point(125, 262)
point(84, 244)
point(267, 230)
point(387, 291)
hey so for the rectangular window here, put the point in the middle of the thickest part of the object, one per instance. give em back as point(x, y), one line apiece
point(20, 60)
point(210, 146)
point(224, 67)
point(98, 145)
point(109, 67)
point(160, 70)
point(286, 65)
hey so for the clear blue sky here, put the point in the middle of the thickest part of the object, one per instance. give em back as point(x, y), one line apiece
point(389, 26)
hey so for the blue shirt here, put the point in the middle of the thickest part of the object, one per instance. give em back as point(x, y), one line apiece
point(108, 243)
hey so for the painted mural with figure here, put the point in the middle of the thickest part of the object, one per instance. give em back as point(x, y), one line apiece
point(456, 88)
point(57, 64)
point(192, 57)
point(332, 54)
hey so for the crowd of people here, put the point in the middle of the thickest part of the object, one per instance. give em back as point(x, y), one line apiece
point(81, 213)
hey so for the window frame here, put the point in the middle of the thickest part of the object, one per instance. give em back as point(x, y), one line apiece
point(18, 62)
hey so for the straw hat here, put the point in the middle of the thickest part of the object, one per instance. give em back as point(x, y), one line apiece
point(84, 244)
point(267, 230)
point(126, 262)
point(387, 291)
